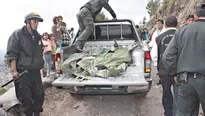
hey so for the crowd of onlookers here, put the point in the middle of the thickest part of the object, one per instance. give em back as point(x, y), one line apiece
point(145, 34)
point(61, 36)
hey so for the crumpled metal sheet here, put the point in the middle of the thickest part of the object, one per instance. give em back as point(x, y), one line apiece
point(83, 65)
point(3, 112)
point(9, 99)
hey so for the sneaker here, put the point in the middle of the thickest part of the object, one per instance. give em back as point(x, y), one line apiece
point(48, 75)
point(44, 74)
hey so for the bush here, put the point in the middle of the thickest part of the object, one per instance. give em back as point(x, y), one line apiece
point(152, 6)
point(200, 1)
point(168, 2)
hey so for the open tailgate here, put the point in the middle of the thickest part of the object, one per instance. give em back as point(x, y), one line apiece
point(125, 79)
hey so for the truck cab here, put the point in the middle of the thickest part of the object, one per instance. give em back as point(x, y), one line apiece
point(135, 79)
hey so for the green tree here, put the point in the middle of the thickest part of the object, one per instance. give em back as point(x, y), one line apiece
point(152, 6)
point(101, 16)
point(144, 20)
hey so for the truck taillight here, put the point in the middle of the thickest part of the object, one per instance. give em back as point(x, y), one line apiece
point(58, 56)
point(147, 62)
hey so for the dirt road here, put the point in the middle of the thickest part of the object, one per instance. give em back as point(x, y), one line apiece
point(61, 103)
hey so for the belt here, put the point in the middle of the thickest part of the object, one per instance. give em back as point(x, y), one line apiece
point(30, 70)
point(47, 52)
point(196, 75)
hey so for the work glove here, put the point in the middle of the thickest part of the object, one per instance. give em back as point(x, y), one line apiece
point(15, 75)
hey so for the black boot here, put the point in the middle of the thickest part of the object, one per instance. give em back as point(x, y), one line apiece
point(36, 114)
point(75, 49)
point(159, 82)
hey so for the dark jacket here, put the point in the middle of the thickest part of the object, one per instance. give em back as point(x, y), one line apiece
point(162, 42)
point(186, 51)
point(95, 6)
point(26, 50)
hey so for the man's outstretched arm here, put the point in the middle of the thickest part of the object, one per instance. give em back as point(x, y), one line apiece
point(105, 4)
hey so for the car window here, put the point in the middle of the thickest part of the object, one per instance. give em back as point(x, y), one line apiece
point(113, 32)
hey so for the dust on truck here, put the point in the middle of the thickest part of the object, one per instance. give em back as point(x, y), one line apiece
point(136, 78)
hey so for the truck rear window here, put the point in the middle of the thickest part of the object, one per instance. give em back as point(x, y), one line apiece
point(113, 32)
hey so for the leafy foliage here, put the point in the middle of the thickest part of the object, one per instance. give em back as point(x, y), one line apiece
point(168, 2)
point(152, 6)
point(101, 16)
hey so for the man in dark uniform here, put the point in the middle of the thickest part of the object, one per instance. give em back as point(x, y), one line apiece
point(25, 52)
point(86, 17)
point(184, 58)
point(167, 81)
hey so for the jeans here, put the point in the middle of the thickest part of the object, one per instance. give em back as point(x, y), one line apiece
point(47, 60)
point(169, 102)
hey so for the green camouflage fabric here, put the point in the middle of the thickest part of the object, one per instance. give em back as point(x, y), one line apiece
point(2, 91)
point(83, 66)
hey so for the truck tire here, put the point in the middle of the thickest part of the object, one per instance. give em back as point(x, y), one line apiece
point(59, 87)
point(144, 94)
point(150, 85)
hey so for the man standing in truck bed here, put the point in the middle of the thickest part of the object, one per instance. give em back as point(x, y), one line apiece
point(86, 17)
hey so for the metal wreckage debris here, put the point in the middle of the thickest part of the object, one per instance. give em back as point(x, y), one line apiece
point(99, 62)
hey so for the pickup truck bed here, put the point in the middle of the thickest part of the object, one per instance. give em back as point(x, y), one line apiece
point(134, 76)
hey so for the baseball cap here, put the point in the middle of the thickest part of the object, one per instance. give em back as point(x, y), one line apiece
point(200, 10)
point(171, 21)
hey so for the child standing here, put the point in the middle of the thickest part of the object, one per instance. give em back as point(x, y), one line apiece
point(47, 52)
point(53, 53)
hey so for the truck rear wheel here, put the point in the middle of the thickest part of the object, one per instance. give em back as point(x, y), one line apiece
point(150, 85)
point(59, 87)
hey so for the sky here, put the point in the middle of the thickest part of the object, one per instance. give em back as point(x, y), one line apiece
point(13, 12)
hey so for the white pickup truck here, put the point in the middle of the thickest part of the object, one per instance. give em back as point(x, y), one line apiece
point(136, 78)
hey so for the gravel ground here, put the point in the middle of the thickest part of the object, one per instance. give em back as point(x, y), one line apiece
point(5, 76)
point(58, 102)
point(61, 103)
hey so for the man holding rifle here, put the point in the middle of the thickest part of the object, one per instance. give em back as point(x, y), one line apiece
point(25, 52)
